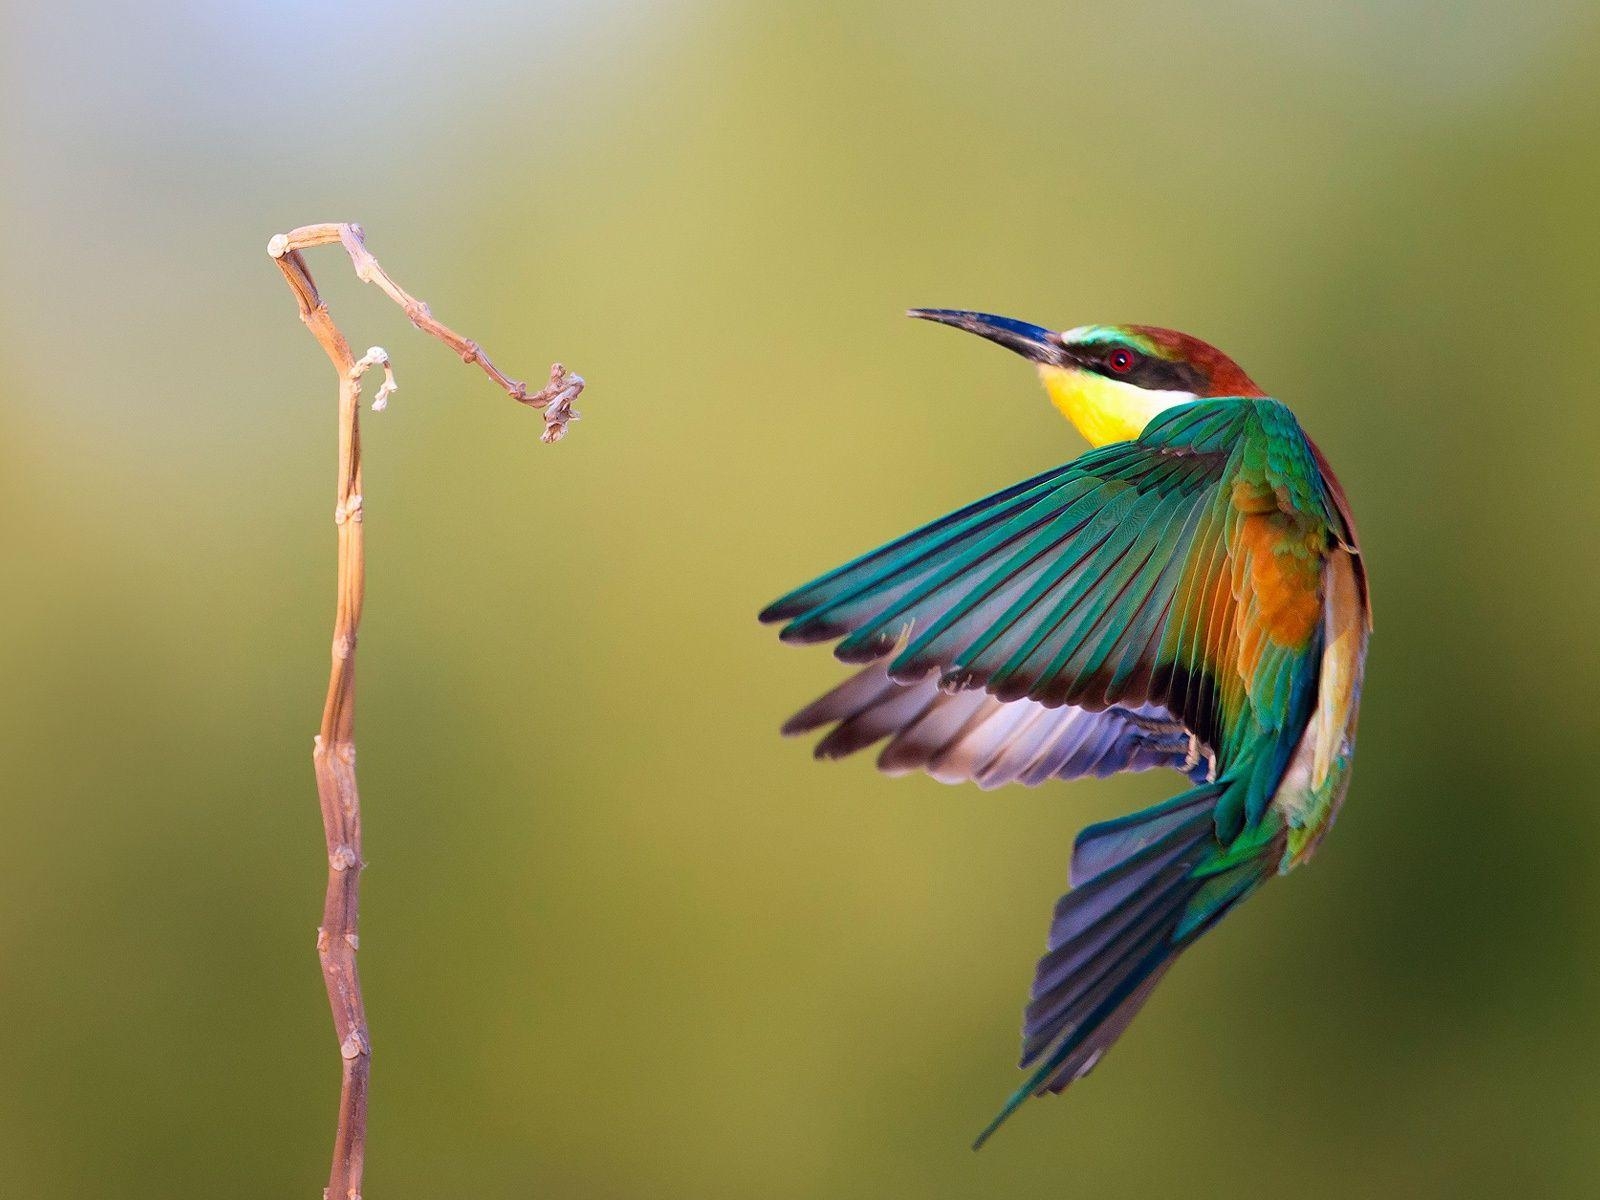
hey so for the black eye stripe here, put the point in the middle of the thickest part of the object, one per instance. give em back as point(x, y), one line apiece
point(1153, 374)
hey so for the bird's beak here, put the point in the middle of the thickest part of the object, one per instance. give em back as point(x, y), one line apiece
point(1031, 341)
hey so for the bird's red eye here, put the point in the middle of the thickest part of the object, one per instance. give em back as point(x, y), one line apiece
point(1120, 361)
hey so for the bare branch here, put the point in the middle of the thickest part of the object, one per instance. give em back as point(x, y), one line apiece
point(334, 752)
point(555, 398)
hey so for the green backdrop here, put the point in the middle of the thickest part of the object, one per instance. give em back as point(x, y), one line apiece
point(619, 939)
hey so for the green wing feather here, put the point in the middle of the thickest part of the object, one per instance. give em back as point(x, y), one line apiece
point(1121, 578)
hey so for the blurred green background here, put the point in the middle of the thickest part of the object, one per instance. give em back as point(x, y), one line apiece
point(619, 939)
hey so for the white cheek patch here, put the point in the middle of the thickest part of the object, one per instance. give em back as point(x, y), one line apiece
point(1138, 406)
point(1161, 401)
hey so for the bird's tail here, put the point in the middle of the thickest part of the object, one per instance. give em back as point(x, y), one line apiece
point(1144, 887)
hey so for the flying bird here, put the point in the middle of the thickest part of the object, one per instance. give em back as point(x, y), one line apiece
point(1188, 594)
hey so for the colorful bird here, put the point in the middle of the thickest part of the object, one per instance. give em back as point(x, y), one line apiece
point(1188, 594)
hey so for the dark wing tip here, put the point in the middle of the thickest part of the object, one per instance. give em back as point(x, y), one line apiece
point(806, 633)
point(778, 610)
point(857, 650)
point(813, 716)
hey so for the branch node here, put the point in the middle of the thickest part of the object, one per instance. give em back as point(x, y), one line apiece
point(343, 858)
point(355, 1045)
point(347, 510)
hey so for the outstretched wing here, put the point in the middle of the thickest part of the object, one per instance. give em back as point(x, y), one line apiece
point(970, 735)
point(1175, 576)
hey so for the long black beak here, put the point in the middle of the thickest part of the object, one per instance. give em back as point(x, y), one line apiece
point(1031, 341)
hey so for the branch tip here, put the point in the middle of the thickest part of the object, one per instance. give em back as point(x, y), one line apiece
point(376, 356)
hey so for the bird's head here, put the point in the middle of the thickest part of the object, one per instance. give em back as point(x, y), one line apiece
point(1110, 380)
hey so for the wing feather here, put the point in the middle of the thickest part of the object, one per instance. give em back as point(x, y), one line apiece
point(972, 736)
point(1165, 577)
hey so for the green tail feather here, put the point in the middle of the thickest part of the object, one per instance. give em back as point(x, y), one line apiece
point(1146, 887)
point(1011, 1106)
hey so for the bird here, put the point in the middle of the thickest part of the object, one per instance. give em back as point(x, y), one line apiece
point(1188, 594)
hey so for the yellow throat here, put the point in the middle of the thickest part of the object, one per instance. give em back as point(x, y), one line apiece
point(1105, 410)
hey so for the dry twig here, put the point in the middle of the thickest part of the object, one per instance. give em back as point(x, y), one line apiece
point(334, 752)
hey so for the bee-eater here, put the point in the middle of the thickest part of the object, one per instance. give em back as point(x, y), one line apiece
point(1187, 594)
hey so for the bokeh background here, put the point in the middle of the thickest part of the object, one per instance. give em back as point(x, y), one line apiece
point(619, 939)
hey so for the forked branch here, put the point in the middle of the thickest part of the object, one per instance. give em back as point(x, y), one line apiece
point(334, 753)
